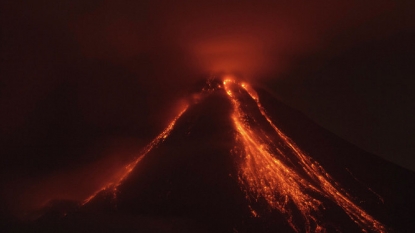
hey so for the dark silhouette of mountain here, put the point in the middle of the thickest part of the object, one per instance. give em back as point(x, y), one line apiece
point(205, 176)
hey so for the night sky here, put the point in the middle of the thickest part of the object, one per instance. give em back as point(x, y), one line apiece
point(85, 84)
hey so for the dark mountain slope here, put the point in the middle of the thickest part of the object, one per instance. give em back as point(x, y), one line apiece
point(191, 182)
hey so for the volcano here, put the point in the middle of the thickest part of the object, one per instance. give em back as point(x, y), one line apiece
point(236, 159)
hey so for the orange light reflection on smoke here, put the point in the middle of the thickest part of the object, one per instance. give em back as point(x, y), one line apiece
point(267, 176)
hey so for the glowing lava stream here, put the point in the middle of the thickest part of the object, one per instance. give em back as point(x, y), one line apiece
point(115, 182)
point(267, 171)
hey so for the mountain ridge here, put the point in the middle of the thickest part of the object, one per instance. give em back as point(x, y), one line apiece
point(193, 175)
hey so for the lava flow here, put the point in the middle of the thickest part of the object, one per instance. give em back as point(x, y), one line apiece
point(118, 178)
point(273, 168)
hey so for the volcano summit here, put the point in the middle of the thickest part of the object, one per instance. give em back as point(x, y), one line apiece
point(237, 160)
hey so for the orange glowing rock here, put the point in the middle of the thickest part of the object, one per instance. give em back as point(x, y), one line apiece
point(114, 183)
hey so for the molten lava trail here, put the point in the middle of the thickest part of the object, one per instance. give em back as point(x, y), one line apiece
point(113, 184)
point(273, 168)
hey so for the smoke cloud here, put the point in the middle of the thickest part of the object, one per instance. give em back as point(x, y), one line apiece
point(249, 37)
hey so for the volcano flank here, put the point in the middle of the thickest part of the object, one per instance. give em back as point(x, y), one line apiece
point(238, 160)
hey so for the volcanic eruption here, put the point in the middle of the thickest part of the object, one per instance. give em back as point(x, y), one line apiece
point(235, 159)
point(226, 163)
point(207, 116)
